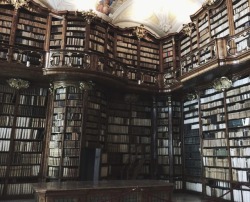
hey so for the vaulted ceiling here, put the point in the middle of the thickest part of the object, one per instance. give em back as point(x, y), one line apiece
point(160, 17)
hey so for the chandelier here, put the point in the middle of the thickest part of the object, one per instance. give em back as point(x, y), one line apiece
point(19, 3)
point(221, 84)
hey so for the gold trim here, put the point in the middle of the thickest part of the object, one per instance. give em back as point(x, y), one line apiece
point(222, 83)
point(89, 15)
point(140, 31)
point(86, 85)
point(19, 3)
point(188, 28)
point(18, 83)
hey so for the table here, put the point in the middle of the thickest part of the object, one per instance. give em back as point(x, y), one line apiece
point(104, 191)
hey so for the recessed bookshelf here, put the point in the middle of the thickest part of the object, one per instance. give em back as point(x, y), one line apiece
point(64, 147)
point(6, 17)
point(219, 23)
point(56, 32)
point(214, 144)
point(163, 138)
point(149, 55)
point(191, 139)
point(241, 15)
point(31, 29)
point(75, 34)
point(23, 115)
point(127, 48)
point(203, 29)
point(97, 38)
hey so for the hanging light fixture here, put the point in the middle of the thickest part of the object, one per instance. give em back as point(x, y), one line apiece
point(222, 83)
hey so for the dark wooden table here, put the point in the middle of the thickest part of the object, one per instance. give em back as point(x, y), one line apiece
point(104, 191)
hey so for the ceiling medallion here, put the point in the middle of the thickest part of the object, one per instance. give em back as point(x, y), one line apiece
point(221, 84)
point(19, 3)
point(188, 28)
point(18, 83)
point(89, 16)
point(140, 31)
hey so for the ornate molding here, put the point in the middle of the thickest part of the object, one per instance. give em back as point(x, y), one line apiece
point(86, 85)
point(188, 28)
point(191, 96)
point(18, 3)
point(222, 83)
point(89, 16)
point(208, 3)
point(18, 83)
point(140, 31)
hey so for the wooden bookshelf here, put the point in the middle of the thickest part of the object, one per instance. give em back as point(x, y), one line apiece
point(149, 55)
point(56, 36)
point(163, 136)
point(237, 100)
point(6, 19)
point(219, 21)
point(191, 141)
point(127, 50)
point(64, 141)
point(31, 29)
point(241, 15)
point(214, 126)
point(23, 116)
point(177, 145)
point(214, 144)
point(97, 38)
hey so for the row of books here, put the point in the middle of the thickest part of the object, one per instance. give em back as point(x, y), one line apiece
point(32, 100)
point(240, 151)
point(218, 192)
point(24, 170)
point(30, 121)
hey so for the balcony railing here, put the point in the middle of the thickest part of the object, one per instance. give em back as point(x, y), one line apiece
point(22, 55)
point(98, 63)
point(226, 50)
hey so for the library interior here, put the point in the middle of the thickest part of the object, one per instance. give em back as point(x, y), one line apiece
point(124, 100)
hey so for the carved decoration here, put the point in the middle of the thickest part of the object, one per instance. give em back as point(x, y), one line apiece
point(18, 3)
point(188, 28)
point(89, 16)
point(140, 31)
point(191, 96)
point(208, 3)
point(18, 83)
point(86, 85)
point(221, 84)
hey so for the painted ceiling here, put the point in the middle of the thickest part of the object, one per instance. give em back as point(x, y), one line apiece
point(160, 17)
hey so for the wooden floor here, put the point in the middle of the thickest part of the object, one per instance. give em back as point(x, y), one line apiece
point(177, 197)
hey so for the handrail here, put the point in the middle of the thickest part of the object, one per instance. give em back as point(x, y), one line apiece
point(216, 52)
point(198, 57)
point(238, 44)
point(22, 55)
point(92, 61)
